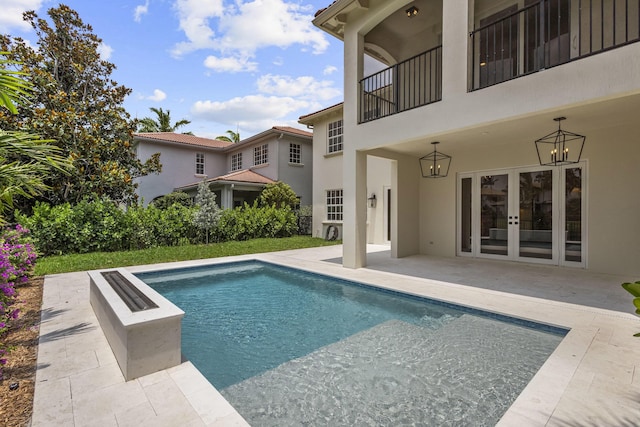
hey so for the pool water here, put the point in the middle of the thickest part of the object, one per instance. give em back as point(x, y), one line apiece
point(287, 347)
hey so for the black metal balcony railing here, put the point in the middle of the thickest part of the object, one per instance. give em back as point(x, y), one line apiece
point(549, 33)
point(406, 85)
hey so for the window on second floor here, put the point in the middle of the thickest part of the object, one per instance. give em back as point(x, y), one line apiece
point(334, 205)
point(335, 137)
point(236, 161)
point(294, 153)
point(199, 163)
point(261, 155)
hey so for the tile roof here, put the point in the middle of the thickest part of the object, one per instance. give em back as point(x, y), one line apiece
point(293, 130)
point(181, 138)
point(246, 175)
point(323, 9)
point(301, 118)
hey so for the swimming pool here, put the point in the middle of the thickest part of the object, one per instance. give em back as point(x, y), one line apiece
point(287, 347)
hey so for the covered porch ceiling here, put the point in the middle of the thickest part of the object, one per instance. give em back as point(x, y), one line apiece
point(582, 119)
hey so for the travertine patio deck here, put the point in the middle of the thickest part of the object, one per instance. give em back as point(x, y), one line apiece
point(592, 379)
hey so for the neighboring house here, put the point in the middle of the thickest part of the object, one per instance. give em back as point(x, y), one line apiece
point(237, 173)
point(328, 145)
point(486, 80)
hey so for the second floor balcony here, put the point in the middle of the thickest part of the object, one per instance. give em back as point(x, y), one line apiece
point(504, 44)
point(412, 83)
point(545, 33)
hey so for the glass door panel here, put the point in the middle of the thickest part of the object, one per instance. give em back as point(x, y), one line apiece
point(494, 206)
point(536, 215)
point(573, 215)
point(466, 218)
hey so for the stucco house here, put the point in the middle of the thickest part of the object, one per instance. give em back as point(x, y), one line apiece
point(535, 107)
point(328, 145)
point(236, 173)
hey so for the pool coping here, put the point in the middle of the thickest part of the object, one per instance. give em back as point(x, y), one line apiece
point(549, 396)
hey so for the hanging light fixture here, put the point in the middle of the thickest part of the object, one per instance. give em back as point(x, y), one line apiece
point(436, 164)
point(560, 147)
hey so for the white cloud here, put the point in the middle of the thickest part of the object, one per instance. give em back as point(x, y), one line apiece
point(105, 51)
point(252, 112)
point(194, 16)
point(304, 87)
point(230, 64)
point(11, 15)
point(140, 10)
point(157, 96)
point(246, 27)
point(262, 23)
point(329, 69)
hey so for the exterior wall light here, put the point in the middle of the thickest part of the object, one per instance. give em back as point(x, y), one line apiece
point(412, 11)
point(372, 200)
point(436, 164)
point(560, 147)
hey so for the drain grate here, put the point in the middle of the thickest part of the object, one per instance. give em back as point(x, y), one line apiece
point(132, 296)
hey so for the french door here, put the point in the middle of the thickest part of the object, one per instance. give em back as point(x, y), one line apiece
point(524, 214)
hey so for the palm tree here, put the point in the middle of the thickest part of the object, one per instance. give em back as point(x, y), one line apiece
point(233, 137)
point(162, 123)
point(25, 159)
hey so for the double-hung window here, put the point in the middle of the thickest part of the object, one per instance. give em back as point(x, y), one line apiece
point(199, 163)
point(294, 153)
point(236, 162)
point(261, 155)
point(334, 205)
point(334, 143)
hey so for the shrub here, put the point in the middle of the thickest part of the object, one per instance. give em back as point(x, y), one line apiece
point(167, 200)
point(102, 226)
point(17, 260)
point(250, 222)
point(89, 226)
point(278, 194)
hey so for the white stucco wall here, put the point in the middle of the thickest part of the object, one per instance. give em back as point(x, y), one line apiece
point(613, 223)
point(328, 175)
point(298, 176)
point(178, 167)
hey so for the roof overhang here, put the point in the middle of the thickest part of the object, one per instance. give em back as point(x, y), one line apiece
point(311, 119)
point(333, 18)
point(223, 183)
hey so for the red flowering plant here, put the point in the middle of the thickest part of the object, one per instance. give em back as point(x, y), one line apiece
point(17, 260)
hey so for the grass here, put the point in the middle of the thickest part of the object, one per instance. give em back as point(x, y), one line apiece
point(99, 260)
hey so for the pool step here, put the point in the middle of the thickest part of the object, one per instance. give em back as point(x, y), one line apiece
point(397, 373)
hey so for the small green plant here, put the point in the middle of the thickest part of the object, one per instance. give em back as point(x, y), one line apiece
point(634, 289)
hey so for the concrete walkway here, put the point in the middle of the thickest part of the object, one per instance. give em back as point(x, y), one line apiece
point(592, 379)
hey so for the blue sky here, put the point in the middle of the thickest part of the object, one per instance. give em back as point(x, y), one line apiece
point(242, 65)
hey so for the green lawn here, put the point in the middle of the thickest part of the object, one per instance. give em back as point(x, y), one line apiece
point(99, 260)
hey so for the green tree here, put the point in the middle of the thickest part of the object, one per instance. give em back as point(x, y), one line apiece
point(208, 214)
point(162, 122)
point(77, 104)
point(25, 159)
point(233, 137)
point(278, 194)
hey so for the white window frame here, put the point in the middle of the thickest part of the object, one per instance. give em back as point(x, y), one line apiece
point(261, 155)
point(200, 164)
point(334, 137)
point(236, 161)
point(335, 206)
point(295, 153)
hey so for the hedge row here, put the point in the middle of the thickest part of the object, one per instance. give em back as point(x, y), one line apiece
point(102, 226)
